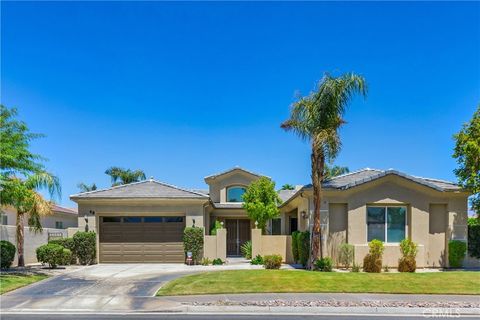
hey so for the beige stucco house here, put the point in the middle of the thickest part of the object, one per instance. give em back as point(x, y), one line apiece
point(144, 221)
point(62, 218)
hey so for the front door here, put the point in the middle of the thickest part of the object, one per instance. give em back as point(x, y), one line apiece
point(238, 232)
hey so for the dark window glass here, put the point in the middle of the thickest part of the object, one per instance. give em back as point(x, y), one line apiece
point(235, 194)
point(172, 219)
point(276, 226)
point(152, 219)
point(396, 217)
point(376, 223)
point(293, 225)
point(132, 219)
point(112, 219)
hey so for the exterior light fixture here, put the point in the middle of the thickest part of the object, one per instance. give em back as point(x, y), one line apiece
point(304, 214)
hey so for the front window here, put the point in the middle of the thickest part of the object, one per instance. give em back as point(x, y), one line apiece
point(235, 194)
point(58, 224)
point(4, 219)
point(386, 223)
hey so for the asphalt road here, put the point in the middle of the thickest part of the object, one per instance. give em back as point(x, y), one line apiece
point(204, 317)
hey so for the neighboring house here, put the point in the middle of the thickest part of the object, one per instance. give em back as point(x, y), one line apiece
point(61, 218)
point(144, 221)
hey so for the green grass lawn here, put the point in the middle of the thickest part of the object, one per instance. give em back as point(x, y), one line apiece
point(257, 281)
point(9, 282)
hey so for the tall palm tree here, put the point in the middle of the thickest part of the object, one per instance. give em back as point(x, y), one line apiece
point(334, 171)
point(23, 195)
point(124, 176)
point(317, 118)
point(87, 187)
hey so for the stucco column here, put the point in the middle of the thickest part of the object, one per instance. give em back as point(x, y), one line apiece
point(222, 244)
point(256, 242)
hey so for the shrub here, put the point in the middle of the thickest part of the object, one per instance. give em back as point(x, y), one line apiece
point(324, 264)
point(304, 247)
point(193, 242)
point(474, 238)
point(295, 236)
point(7, 254)
point(217, 225)
point(217, 262)
point(355, 267)
point(456, 253)
point(246, 249)
point(53, 255)
point(273, 261)
point(85, 246)
point(258, 260)
point(69, 244)
point(386, 268)
point(373, 260)
point(347, 253)
point(206, 262)
point(407, 264)
point(409, 250)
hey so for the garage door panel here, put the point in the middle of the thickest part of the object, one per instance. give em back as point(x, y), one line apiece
point(142, 240)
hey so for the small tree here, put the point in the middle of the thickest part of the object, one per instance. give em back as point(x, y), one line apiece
point(261, 201)
point(193, 242)
point(467, 153)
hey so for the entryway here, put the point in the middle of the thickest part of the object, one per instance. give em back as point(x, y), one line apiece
point(238, 232)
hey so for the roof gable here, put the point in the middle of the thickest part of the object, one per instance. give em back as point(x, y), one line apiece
point(143, 189)
point(230, 172)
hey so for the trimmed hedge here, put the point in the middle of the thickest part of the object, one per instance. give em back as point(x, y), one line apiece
point(409, 250)
point(193, 242)
point(373, 260)
point(85, 246)
point(273, 261)
point(53, 255)
point(295, 236)
point(474, 240)
point(69, 244)
point(456, 253)
point(304, 247)
point(7, 254)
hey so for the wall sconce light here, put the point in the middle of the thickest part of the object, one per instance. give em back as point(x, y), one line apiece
point(256, 224)
point(304, 214)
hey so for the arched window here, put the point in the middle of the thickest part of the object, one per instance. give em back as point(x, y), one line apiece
point(235, 193)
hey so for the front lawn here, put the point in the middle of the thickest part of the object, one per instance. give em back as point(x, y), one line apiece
point(9, 282)
point(257, 281)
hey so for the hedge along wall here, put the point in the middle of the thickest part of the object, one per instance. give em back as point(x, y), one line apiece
point(32, 240)
point(474, 241)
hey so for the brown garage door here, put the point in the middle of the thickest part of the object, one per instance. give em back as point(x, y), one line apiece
point(141, 239)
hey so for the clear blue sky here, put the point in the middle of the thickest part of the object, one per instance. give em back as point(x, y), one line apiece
point(183, 90)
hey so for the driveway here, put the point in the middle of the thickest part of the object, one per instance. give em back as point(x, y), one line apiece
point(105, 287)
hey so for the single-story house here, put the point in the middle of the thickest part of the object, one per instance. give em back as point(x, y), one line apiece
point(144, 221)
point(62, 218)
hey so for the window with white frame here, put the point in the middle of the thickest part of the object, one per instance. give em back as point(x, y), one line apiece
point(4, 219)
point(386, 223)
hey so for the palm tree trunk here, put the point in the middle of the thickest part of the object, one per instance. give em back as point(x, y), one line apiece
point(318, 163)
point(20, 238)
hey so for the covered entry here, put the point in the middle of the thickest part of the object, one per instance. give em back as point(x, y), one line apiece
point(141, 239)
point(238, 232)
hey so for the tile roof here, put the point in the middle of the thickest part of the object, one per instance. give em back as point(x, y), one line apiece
point(61, 209)
point(143, 189)
point(286, 194)
point(352, 179)
point(213, 176)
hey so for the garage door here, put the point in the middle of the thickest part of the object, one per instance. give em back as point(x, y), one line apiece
point(141, 239)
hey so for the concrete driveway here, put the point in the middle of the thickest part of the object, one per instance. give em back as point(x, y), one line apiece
point(105, 287)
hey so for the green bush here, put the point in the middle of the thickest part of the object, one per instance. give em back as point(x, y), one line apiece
point(324, 264)
point(304, 247)
point(355, 267)
point(456, 253)
point(7, 254)
point(53, 255)
point(295, 236)
point(258, 260)
point(273, 261)
point(474, 239)
point(246, 249)
point(205, 262)
point(69, 244)
point(193, 242)
point(347, 254)
point(373, 260)
point(217, 262)
point(409, 250)
point(217, 225)
point(85, 246)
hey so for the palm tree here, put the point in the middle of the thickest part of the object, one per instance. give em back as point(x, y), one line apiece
point(124, 176)
point(333, 171)
point(317, 118)
point(86, 188)
point(287, 186)
point(23, 195)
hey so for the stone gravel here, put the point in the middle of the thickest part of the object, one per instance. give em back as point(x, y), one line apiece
point(339, 303)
